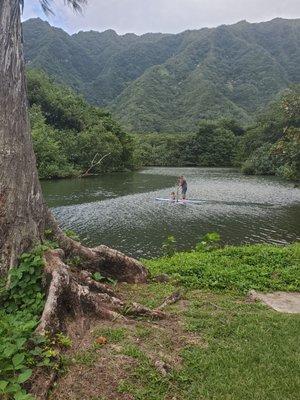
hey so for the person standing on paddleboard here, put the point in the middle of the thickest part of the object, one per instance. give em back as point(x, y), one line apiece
point(183, 185)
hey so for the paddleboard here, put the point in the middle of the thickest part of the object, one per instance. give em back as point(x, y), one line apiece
point(180, 201)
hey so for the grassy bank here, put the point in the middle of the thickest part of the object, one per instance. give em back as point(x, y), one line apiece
point(237, 268)
point(215, 343)
point(212, 346)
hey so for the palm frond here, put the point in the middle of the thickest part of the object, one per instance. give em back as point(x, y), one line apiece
point(75, 4)
point(46, 6)
point(21, 4)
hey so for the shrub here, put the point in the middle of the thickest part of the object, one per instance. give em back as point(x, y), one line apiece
point(21, 306)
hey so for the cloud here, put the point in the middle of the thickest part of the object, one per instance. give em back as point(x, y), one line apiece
point(142, 16)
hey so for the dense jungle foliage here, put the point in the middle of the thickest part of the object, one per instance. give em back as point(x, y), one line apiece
point(271, 146)
point(168, 82)
point(68, 132)
point(213, 145)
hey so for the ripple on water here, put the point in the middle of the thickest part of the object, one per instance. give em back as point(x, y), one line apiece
point(243, 209)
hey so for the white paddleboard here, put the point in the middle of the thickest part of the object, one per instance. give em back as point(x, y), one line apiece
point(180, 201)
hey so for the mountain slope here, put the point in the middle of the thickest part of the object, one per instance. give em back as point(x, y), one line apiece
point(167, 82)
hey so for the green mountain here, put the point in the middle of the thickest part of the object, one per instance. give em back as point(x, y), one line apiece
point(168, 82)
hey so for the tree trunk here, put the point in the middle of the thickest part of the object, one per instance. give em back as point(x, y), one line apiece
point(23, 213)
point(22, 208)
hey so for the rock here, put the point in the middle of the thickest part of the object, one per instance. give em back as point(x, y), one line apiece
point(162, 367)
point(286, 302)
point(162, 278)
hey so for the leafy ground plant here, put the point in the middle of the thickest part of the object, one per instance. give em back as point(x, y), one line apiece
point(234, 268)
point(21, 306)
point(169, 246)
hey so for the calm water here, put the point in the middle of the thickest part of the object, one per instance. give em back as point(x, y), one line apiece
point(120, 209)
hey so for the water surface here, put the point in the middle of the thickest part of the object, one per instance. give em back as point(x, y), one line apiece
point(120, 209)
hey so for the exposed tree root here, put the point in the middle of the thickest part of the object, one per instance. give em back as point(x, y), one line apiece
point(109, 262)
point(72, 291)
point(75, 292)
point(176, 296)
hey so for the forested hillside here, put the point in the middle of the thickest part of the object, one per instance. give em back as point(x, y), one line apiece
point(270, 146)
point(68, 133)
point(168, 82)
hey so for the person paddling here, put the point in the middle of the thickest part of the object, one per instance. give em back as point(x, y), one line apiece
point(183, 185)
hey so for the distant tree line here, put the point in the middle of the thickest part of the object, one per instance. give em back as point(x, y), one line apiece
point(271, 146)
point(68, 133)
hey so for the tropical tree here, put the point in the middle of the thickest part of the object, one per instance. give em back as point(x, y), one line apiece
point(24, 216)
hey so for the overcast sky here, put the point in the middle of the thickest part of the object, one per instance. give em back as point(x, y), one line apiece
point(142, 16)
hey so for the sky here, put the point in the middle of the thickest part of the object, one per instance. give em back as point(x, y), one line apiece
point(172, 16)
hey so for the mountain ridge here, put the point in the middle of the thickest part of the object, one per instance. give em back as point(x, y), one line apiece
point(167, 82)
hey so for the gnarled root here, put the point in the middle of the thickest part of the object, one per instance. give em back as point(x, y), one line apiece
point(109, 262)
point(76, 293)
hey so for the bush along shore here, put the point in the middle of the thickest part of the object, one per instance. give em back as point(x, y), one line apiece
point(224, 346)
point(270, 146)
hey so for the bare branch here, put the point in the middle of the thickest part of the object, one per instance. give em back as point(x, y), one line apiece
point(94, 163)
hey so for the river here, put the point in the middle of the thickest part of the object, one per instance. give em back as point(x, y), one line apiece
point(120, 210)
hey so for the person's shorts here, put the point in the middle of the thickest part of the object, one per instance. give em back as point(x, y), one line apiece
point(184, 190)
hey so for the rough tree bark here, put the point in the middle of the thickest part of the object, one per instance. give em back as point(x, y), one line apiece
point(22, 208)
point(24, 216)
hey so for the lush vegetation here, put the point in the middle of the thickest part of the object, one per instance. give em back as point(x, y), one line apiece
point(21, 306)
point(221, 338)
point(167, 83)
point(215, 97)
point(68, 133)
point(218, 345)
point(270, 146)
point(215, 144)
point(238, 268)
point(154, 149)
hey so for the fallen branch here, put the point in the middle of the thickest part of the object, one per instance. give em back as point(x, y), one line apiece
point(176, 296)
point(94, 163)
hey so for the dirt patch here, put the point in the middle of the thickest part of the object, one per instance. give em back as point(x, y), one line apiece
point(97, 381)
point(95, 372)
point(280, 301)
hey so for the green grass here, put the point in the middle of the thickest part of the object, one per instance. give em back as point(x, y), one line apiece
point(248, 352)
point(251, 353)
point(83, 357)
point(113, 335)
point(238, 268)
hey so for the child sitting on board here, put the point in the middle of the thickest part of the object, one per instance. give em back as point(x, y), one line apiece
point(173, 196)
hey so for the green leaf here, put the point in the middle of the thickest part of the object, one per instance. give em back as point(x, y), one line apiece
point(23, 396)
point(18, 359)
point(24, 376)
point(9, 351)
point(97, 276)
point(14, 388)
point(3, 385)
